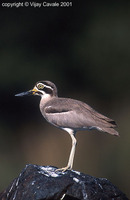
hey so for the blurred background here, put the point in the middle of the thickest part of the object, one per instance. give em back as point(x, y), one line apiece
point(85, 50)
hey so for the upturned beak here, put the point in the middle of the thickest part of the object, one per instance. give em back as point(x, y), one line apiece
point(28, 93)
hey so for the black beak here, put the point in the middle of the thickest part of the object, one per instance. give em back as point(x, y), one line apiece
point(28, 93)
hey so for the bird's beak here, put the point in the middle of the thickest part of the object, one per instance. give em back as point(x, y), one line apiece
point(28, 93)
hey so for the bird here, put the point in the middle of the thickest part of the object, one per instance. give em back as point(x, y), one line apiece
point(69, 115)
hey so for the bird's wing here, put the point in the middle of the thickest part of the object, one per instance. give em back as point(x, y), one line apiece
point(69, 113)
point(102, 123)
point(60, 112)
point(98, 116)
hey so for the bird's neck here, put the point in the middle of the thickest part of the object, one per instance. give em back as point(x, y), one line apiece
point(44, 99)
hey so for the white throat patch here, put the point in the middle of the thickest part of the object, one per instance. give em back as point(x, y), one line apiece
point(45, 98)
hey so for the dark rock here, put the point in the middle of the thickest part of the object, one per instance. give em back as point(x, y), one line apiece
point(40, 183)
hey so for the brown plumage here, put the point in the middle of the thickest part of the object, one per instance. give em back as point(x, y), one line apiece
point(69, 114)
point(76, 115)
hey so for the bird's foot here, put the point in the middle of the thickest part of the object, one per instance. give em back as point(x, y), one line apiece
point(63, 169)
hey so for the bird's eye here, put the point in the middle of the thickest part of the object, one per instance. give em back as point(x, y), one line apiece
point(40, 86)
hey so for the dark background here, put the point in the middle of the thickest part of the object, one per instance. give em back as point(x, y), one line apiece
point(85, 51)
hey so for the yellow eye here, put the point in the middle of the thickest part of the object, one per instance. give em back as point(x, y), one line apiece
point(40, 86)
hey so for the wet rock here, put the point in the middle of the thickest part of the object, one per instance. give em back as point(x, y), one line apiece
point(44, 182)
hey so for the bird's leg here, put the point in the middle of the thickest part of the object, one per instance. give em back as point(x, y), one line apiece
point(72, 153)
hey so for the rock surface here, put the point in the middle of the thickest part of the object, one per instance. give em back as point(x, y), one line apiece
point(43, 182)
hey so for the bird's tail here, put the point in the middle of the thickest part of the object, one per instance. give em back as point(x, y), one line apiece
point(111, 131)
point(107, 125)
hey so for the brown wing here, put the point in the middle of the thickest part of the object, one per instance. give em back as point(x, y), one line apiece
point(69, 113)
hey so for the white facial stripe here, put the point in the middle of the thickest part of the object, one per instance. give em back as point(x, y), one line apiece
point(48, 87)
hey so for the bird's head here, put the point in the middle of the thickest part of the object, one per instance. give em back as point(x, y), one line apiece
point(41, 88)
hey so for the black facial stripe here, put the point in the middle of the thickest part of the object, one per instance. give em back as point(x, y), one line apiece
point(47, 90)
point(49, 87)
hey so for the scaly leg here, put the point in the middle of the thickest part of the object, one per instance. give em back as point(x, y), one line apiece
point(72, 153)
